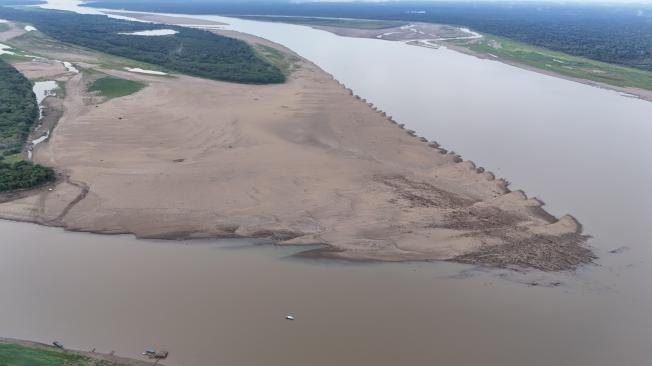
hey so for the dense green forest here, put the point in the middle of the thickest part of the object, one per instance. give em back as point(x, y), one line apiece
point(23, 175)
point(614, 33)
point(190, 51)
point(18, 109)
point(18, 112)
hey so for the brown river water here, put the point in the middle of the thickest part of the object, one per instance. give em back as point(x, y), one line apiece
point(581, 149)
point(225, 302)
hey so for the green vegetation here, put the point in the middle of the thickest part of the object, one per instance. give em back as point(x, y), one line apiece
point(18, 112)
point(18, 109)
point(112, 87)
point(18, 355)
point(617, 33)
point(4, 27)
point(191, 51)
point(10, 159)
point(567, 65)
point(329, 22)
point(23, 175)
point(286, 62)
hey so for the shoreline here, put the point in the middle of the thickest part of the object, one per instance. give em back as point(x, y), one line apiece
point(96, 356)
point(635, 92)
point(404, 200)
point(401, 35)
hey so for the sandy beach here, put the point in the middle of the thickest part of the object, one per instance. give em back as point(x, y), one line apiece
point(305, 162)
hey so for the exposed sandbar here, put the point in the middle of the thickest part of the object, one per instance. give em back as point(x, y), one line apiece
point(304, 162)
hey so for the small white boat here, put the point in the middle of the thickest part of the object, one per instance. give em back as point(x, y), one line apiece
point(289, 317)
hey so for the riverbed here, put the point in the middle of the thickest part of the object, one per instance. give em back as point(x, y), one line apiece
point(581, 149)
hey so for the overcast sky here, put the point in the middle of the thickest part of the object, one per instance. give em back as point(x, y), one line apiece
point(514, 1)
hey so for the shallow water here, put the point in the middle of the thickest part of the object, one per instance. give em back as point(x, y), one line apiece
point(43, 89)
point(143, 71)
point(4, 50)
point(153, 33)
point(70, 67)
point(581, 149)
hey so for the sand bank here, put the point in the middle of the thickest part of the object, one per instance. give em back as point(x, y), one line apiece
point(304, 162)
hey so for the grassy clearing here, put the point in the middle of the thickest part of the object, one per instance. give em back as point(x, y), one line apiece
point(4, 27)
point(286, 62)
point(11, 159)
point(330, 22)
point(18, 355)
point(112, 87)
point(560, 63)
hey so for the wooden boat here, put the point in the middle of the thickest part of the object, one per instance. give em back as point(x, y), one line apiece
point(154, 354)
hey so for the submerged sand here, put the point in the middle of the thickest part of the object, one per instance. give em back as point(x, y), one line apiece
point(305, 162)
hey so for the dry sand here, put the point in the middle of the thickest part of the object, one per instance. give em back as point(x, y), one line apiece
point(304, 162)
point(12, 32)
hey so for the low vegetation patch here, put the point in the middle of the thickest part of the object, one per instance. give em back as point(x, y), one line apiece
point(18, 355)
point(286, 62)
point(112, 87)
point(564, 64)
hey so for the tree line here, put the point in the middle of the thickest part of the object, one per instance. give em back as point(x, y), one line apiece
point(18, 112)
point(614, 33)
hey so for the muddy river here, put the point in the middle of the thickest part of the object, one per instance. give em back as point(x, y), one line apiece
point(581, 149)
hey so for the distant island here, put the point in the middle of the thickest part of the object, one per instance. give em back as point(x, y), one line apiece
point(191, 51)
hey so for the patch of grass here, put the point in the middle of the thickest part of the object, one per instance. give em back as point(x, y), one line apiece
point(112, 87)
point(19, 355)
point(329, 22)
point(561, 63)
point(284, 61)
point(13, 58)
point(11, 159)
point(4, 27)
